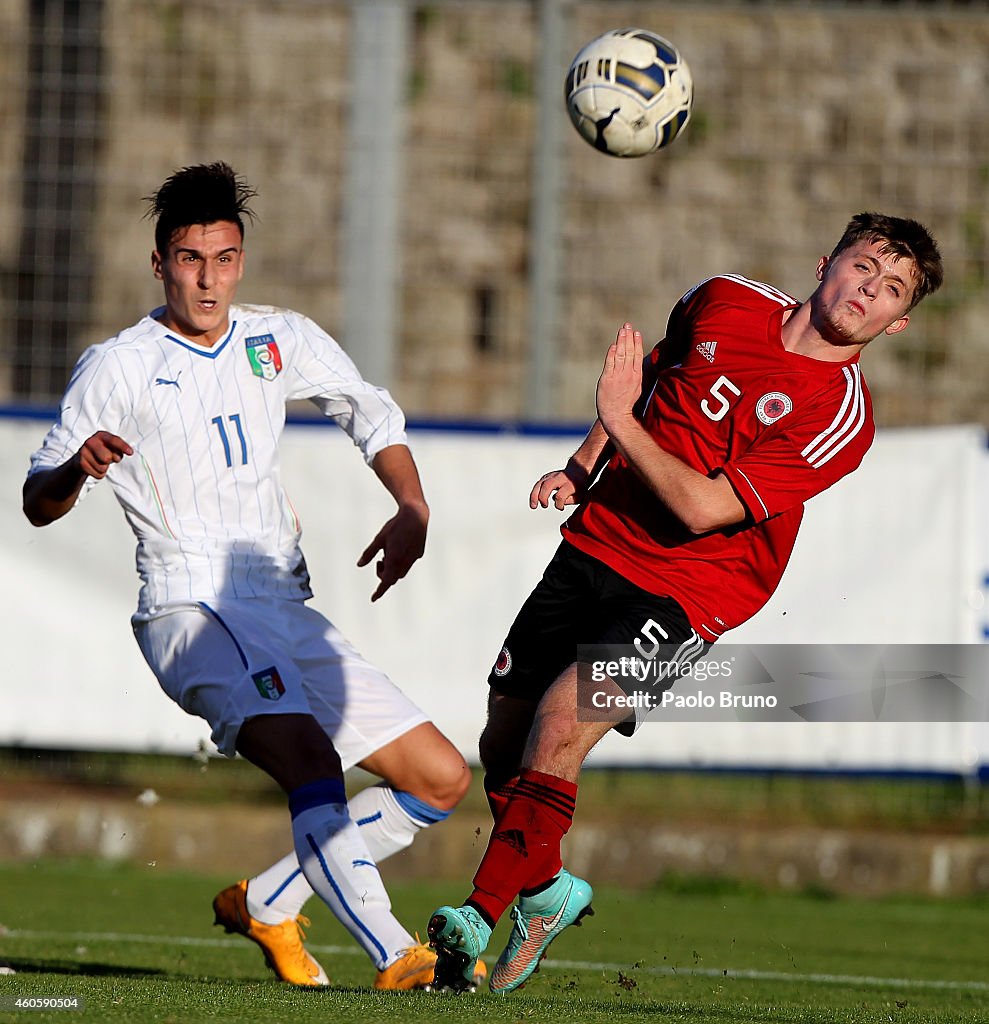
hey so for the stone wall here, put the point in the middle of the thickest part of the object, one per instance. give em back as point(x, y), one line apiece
point(239, 839)
point(804, 115)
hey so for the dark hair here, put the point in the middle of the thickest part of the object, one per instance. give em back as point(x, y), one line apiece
point(202, 194)
point(901, 238)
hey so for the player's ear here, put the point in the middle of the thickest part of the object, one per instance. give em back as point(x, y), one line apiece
point(821, 264)
point(156, 264)
point(897, 325)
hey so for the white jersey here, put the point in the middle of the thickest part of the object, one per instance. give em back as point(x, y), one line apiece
point(202, 491)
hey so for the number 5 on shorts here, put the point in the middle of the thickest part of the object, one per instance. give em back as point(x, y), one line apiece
point(653, 631)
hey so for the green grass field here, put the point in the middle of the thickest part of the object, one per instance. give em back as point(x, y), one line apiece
point(138, 946)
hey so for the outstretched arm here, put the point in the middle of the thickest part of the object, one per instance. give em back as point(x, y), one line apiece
point(402, 540)
point(700, 502)
point(50, 493)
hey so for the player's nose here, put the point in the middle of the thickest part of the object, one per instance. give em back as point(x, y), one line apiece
point(870, 287)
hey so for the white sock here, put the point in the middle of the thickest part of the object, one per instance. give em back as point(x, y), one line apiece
point(389, 819)
point(388, 822)
point(336, 862)
point(278, 892)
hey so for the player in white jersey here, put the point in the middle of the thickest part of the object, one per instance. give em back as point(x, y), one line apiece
point(182, 413)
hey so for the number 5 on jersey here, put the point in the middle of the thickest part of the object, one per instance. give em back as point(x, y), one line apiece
point(718, 390)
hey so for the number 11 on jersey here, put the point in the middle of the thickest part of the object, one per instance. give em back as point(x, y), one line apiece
point(234, 418)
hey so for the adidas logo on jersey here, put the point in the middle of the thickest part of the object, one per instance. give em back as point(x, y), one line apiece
point(706, 349)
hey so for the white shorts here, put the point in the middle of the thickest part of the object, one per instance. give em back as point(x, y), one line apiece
point(227, 661)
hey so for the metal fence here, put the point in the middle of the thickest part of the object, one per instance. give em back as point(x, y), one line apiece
point(423, 196)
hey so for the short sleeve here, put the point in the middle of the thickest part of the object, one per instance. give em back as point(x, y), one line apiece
point(805, 452)
point(327, 376)
point(674, 347)
point(95, 398)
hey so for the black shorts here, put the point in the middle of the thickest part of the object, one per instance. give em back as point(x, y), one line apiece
point(579, 604)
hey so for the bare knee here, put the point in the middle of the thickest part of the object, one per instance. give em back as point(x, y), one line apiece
point(444, 778)
point(426, 764)
point(447, 781)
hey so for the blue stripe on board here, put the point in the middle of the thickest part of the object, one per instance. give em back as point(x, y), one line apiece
point(511, 427)
point(43, 413)
point(913, 774)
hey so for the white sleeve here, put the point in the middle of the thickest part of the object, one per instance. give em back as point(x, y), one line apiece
point(327, 376)
point(95, 399)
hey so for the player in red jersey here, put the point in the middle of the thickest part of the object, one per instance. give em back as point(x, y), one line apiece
point(752, 404)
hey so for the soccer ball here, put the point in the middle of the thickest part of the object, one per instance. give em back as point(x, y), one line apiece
point(629, 92)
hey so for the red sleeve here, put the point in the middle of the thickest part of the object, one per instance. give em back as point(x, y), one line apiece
point(672, 350)
point(667, 352)
point(806, 452)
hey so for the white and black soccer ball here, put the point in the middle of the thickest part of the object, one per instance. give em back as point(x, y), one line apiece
point(629, 92)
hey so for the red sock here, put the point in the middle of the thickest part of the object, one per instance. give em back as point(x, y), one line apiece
point(524, 848)
point(498, 794)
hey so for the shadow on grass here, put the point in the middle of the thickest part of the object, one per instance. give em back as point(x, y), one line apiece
point(38, 966)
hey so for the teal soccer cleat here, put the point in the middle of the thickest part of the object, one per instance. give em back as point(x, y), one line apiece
point(538, 920)
point(459, 935)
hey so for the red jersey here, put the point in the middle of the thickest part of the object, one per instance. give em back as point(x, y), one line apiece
point(728, 399)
